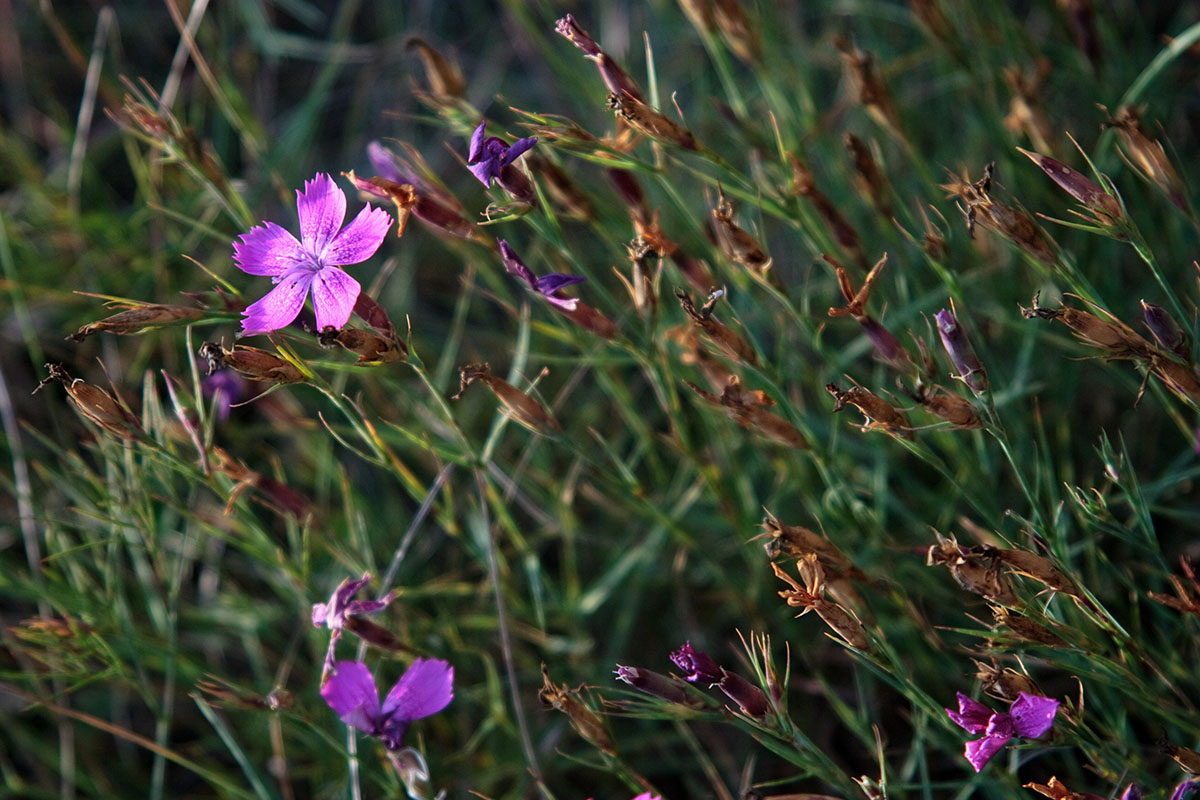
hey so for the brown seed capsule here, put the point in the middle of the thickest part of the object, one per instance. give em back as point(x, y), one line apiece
point(643, 277)
point(716, 331)
point(1005, 684)
point(517, 405)
point(867, 87)
point(95, 404)
point(250, 362)
point(586, 722)
point(1185, 757)
point(444, 76)
point(956, 410)
point(797, 541)
point(972, 572)
point(1111, 335)
point(276, 496)
point(1026, 629)
point(1031, 565)
point(370, 347)
point(870, 179)
point(1179, 378)
point(137, 318)
point(650, 236)
point(1026, 115)
point(1185, 603)
point(749, 409)
point(590, 319)
point(738, 245)
point(879, 414)
point(572, 202)
point(804, 184)
point(646, 120)
point(1146, 155)
point(737, 31)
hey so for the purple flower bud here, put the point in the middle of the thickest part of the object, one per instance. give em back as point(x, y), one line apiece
point(962, 355)
point(1164, 328)
point(750, 699)
point(886, 345)
point(492, 157)
point(1079, 186)
point(654, 683)
point(1132, 792)
point(697, 666)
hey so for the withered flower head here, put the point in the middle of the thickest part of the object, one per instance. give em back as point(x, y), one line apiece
point(1110, 335)
point(1015, 224)
point(714, 330)
point(751, 410)
point(738, 245)
point(1026, 115)
point(879, 414)
point(644, 119)
point(804, 184)
point(586, 722)
point(887, 346)
point(867, 86)
point(973, 572)
point(276, 496)
point(1055, 790)
point(521, 407)
point(1004, 683)
point(809, 596)
point(1146, 155)
point(250, 362)
point(869, 179)
point(1026, 629)
point(444, 76)
point(737, 30)
point(1185, 603)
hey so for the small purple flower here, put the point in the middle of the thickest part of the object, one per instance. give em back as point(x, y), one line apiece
point(488, 158)
point(341, 605)
point(311, 263)
point(226, 387)
point(1029, 717)
point(547, 285)
point(425, 688)
point(697, 667)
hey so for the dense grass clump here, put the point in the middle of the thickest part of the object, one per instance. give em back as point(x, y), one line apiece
point(882, 315)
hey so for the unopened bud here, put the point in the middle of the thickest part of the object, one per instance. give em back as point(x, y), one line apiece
point(750, 698)
point(1168, 333)
point(962, 354)
point(1079, 186)
point(879, 414)
point(136, 319)
point(95, 404)
point(250, 362)
point(655, 683)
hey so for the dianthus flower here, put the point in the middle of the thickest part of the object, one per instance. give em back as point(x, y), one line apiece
point(425, 688)
point(311, 263)
point(1029, 717)
point(341, 605)
point(547, 286)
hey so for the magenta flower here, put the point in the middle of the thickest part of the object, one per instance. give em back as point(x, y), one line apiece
point(488, 157)
point(425, 688)
point(547, 285)
point(311, 263)
point(697, 666)
point(1029, 717)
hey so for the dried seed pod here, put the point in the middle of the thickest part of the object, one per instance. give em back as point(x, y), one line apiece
point(644, 119)
point(870, 179)
point(1185, 603)
point(867, 87)
point(695, 354)
point(1026, 629)
point(716, 331)
point(804, 184)
point(737, 31)
point(137, 318)
point(640, 284)
point(970, 570)
point(749, 409)
point(1185, 757)
point(738, 245)
point(1026, 115)
point(1005, 684)
point(370, 347)
point(444, 76)
point(1111, 335)
point(227, 695)
point(562, 190)
point(651, 237)
point(586, 722)
point(590, 320)
point(1179, 378)
point(1014, 224)
point(615, 78)
point(879, 414)
point(809, 597)
point(95, 404)
point(250, 362)
point(1146, 155)
point(797, 541)
point(956, 410)
point(519, 406)
point(1031, 565)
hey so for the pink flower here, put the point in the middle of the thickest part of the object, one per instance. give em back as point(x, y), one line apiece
point(1029, 717)
point(311, 263)
point(424, 689)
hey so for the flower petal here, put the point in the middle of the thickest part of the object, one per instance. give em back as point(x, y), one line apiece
point(267, 249)
point(383, 163)
point(1033, 715)
point(515, 266)
point(518, 148)
point(322, 207)
point(980, 751)
point(334, 294)
point(485, 170)
point(351, 692)
point(550, 283)
point(280, 305)
point(425, 688)
point(319, 614)
point(565, 303)
point(359, 240)
point(972, 716)
point(476, 149)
